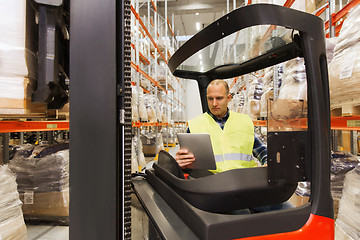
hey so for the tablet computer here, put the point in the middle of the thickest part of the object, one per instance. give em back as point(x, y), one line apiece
point(198, 144)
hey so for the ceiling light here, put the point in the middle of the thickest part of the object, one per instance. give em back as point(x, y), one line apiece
point(197, 14)
point(200, 56)
point(198, 26)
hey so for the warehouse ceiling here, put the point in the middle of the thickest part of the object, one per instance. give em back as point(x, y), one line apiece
point(185, 13)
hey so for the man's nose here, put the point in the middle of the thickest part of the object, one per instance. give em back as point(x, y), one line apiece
point(214, 103)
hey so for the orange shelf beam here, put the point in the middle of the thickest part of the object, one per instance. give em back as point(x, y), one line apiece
point(32, 126)
point(337, 123)
point(152, 2)
point(148, 124)
point(260, 123)
point(345, 123)
point(289, 3)
point(342, 12)
point(136, 67)
point(172, 33)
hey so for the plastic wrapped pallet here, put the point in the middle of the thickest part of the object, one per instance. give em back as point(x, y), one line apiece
point(150, 103)
point(12, 225)
point(344, 72)
point(294, 84)
point(134, 104)
point(137, 155)
point(253, 95)
point(42, 174)
point(268, 91)
point(344, 69)
point(15, 96)
point(330, 46)
point(349, 34)
point(341, 164)
point(12, 41)
point(18, 64)
point(347, 225)
point(142, 107)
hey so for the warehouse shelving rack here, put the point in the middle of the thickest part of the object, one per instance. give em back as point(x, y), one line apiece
point(154, 28)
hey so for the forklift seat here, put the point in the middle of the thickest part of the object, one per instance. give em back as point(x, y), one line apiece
point(223, 192)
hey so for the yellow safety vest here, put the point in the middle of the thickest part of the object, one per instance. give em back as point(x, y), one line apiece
point(233, 145)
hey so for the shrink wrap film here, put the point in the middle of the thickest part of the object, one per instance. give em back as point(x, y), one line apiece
point(16, 60)
point(42, 174)
point(268, 92)
point(341, 164)
point(142, 108)
point(134, 161)
point(344, 69)
point(12, 22)
point(344, 74)
point(294, 84)
point(12, 225)
point(253, 95)
point(349, 33)
point(15, 96)
point(134, 104)
point(347, 225)
point(12, 61)
point(330, 46)
point(150, 104)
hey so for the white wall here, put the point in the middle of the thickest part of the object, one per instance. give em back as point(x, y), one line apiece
point(192, 99)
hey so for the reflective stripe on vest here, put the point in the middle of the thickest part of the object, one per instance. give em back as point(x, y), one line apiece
point(233, 145)
point(233, 156)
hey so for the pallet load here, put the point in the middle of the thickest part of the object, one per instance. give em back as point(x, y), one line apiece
point(17, 60)
point(347, 225)
point(42, 174)
point(268, 90)
point(294, 85)
point(12, 225)
point(341, 164)
point(253, 94)
point(344, 69)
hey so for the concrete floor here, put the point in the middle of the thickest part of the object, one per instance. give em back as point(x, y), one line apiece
point(46, 232)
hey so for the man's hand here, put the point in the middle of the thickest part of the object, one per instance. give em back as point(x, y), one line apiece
point(184, 158)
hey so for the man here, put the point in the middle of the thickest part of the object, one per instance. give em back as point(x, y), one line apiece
point(231, 133)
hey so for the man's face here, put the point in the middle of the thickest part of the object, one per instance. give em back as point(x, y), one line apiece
point(218, 100)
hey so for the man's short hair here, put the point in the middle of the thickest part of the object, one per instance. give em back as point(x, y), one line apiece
point(220, 82)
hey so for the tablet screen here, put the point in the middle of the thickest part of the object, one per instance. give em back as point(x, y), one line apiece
point(198, 144)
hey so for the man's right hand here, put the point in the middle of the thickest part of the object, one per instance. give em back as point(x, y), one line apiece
point(184, 158)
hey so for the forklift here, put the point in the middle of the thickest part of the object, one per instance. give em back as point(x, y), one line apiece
point(298, 145)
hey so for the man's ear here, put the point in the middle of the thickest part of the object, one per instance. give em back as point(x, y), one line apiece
point(229, 97)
